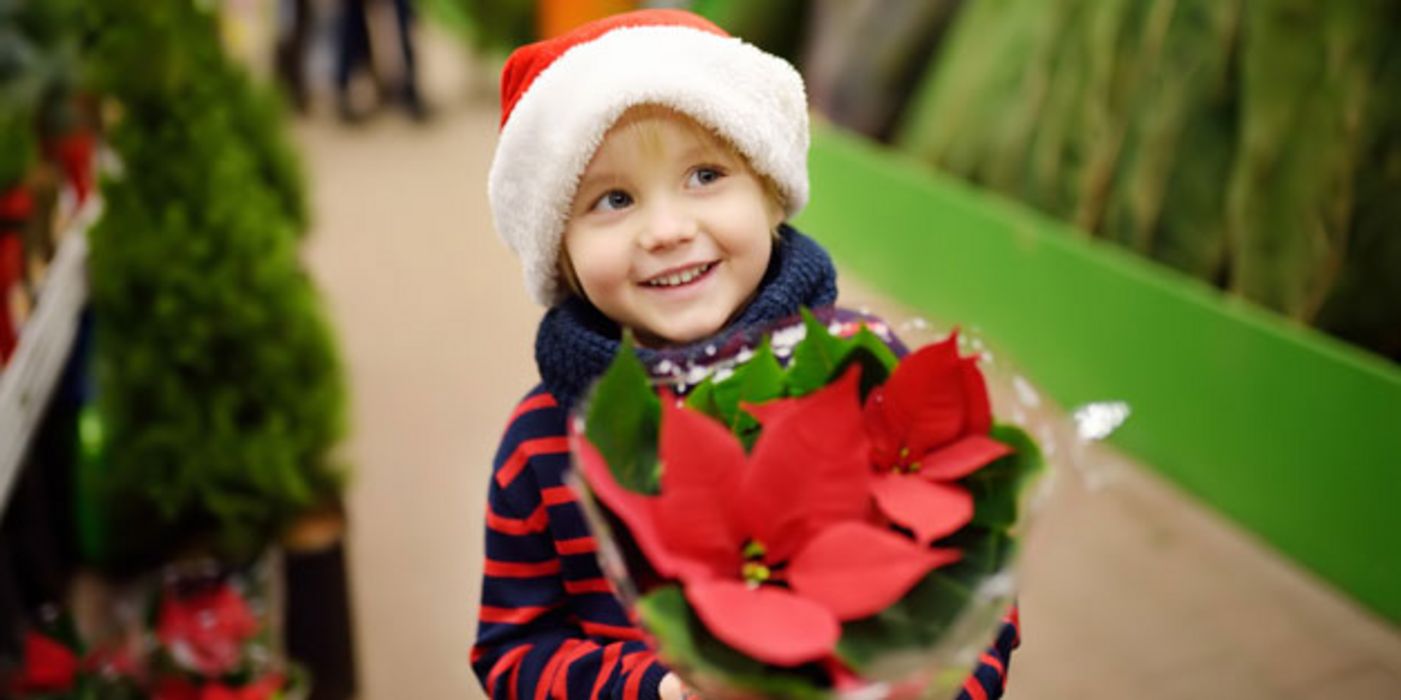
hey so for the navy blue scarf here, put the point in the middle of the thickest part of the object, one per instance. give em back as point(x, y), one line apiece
point(576, 342)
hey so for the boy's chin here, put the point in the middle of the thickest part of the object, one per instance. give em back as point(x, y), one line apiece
point(679, 331)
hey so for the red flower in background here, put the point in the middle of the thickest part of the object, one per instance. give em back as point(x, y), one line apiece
point(205, 631)
point(772, 549)
point(929, 426)
point(74, 152)
point(49, 667)
point(181, 689)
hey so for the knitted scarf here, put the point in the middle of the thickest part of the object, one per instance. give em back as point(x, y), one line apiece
point(576, 342)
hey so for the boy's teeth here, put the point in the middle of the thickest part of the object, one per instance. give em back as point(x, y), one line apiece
point(680, 277)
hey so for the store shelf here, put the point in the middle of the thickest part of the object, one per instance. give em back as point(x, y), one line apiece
point(27, 382)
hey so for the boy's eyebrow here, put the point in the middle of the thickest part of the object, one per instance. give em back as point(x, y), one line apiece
point(702, 151)
point(598, 180)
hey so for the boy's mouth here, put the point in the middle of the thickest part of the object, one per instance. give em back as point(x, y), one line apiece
point(680, 277)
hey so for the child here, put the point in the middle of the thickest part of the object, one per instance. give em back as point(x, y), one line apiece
point(645, 167)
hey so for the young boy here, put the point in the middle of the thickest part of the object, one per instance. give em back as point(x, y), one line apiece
point(645, 167)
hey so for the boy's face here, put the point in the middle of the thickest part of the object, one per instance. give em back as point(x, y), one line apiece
point(670, 232)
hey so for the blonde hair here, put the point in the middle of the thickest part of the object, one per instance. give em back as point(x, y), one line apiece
point(639, 124)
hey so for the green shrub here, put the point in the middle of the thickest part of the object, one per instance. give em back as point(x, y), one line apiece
point(220, 389)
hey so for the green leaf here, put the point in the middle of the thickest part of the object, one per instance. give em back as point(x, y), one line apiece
point(821, 357)
point(756, 381)
point(705, 661)
point(702, 398)
point(926, 613)
point(875, 357)
point(915, 622)
point(815, 358)
point(623, 419)
point(997, 488)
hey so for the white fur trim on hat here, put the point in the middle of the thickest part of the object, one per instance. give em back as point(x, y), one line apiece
point(754, 99)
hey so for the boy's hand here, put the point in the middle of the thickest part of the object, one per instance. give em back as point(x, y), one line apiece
point(673, 689)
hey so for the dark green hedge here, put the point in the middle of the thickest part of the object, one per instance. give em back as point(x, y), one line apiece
point(220, 388)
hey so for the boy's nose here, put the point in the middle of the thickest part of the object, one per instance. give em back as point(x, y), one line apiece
point(668, 226)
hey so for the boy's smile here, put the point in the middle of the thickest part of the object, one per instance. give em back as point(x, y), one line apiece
point(670, 231)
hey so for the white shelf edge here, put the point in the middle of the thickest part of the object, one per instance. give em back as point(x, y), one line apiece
point(27, 382)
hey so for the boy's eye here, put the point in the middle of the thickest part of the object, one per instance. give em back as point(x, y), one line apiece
point(704, 175)
point(613, 200)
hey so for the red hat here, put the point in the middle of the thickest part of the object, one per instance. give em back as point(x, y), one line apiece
point(560, 96)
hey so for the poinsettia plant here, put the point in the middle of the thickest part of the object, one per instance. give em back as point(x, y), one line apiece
point(797, 530)
point(199, 633)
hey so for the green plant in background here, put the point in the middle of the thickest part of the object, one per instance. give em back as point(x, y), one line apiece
point(220, 390)
point(1362, 307)
point(37, 66)
point(776, 26)
point(1252, 144)
point(489, 26)
point(17, 142)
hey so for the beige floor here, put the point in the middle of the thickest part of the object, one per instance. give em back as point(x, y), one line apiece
point(1130, 589)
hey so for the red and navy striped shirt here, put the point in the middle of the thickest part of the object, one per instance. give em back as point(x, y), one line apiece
point(549, 625)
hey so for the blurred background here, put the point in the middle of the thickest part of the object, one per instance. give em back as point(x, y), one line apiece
point(260, 340)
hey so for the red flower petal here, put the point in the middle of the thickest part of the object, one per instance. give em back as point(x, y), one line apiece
point(810, 468)
point(175, 689)
point(771, 411)
point(931, 399)
point(975, 391)
point(217, 691)
point(930, 510)
point(265, 688)
point(48, 665)
point(921, 405)
point(205, 630)
point(768, 623)
point(696, 513)
point(856, 569)
point(634, 509)
point(961, 458)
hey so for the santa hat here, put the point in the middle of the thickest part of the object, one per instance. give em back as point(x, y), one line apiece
point(560, 96)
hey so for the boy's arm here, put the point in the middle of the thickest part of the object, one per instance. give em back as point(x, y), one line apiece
point(535, 638)
point(989, 679)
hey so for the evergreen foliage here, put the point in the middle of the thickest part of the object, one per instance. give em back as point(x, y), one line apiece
point(1251, 144)
point(220, 389)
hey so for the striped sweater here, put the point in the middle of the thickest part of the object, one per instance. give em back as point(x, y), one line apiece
point(549, 625)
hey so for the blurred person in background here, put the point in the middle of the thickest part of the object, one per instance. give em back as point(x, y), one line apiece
point(294, 21)
point(359, 24)
point(371, 38)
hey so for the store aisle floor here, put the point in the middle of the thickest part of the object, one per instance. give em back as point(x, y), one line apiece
point(1131, 590)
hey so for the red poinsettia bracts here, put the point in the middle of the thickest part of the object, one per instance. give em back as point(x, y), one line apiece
point(49, 666)
point(74, 152)
point(773, 549)
point(264, 688)
point(928, 426)
point(205, 631)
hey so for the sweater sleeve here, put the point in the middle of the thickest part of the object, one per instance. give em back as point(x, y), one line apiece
point(543, 631)
point(989, 679)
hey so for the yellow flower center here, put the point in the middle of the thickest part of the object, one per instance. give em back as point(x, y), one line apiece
point(905, 466)
point(754, 571)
